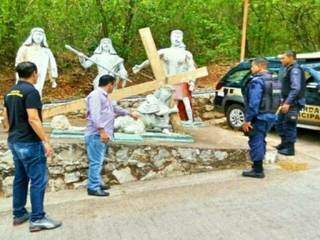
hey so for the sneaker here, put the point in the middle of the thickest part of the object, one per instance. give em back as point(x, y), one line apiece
point(20, 220)
point(44, 224)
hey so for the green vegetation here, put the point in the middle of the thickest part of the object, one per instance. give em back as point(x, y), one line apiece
point(212, 27)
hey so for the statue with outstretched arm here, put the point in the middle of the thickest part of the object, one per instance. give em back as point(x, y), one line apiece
point(176, 59)
point(107, 61)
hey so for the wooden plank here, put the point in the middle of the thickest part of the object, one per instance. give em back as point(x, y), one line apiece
point(152, 53)
point(118, 94)
point(72, 106)
point(135, 90)
point(186, 76)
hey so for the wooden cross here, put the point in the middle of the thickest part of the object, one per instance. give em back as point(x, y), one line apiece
point(160, 80)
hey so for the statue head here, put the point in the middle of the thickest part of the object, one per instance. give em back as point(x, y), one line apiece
point(37, 36)
point(176, 38)
point(105, 46)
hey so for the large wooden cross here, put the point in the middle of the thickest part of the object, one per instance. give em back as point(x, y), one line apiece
point(160, 80)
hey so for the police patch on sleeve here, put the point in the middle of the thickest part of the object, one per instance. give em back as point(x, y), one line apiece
point(296, 71)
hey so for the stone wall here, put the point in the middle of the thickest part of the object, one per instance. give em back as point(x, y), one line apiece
point(125, 163)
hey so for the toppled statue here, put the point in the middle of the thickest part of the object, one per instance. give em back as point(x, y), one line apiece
point(61, 122)
point(154, 114)
point(35, 49)
point(107, 61)
point(176, 59)
point(127, 124)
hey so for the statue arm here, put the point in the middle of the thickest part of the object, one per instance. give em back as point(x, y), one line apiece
point(139, 67)
point(122, 71)
point(87, 63)
point(191, 65)
point(20, 58)
point(146, 63)
point(20, 55)
point(190, 62)
point(53, 69)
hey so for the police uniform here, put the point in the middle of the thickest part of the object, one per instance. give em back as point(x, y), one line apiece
point(258, 111)
point(292, 93)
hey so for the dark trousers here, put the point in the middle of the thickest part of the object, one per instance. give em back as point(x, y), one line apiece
point(286, 125)
point(257, 142)
point(30, 165)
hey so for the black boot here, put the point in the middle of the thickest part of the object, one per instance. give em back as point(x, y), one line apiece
point(256, 171)
point(281, 145)
point(288, 150)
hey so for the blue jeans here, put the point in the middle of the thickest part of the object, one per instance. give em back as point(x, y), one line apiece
point(96, 151)
point(30, 165)
point(257, 142)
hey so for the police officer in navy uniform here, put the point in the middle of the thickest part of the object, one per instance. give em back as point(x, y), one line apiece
point(259, 117)
point(292, 93)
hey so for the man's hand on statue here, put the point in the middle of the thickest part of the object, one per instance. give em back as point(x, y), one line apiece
point(54, 83)
point(246, 127)
point(136, 69)
point(135, 115)
point(104, 136)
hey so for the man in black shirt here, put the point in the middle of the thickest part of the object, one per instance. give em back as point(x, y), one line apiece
point(30, 147)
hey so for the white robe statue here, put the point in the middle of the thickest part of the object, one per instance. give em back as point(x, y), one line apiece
point(108, 62)
point(176, 59)
point(35, 49)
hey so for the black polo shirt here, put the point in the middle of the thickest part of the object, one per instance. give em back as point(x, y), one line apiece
point(21, 97)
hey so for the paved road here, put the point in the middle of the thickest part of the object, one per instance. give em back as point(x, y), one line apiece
point(217, 205)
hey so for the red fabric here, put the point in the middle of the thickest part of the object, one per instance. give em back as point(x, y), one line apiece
point(185, 92)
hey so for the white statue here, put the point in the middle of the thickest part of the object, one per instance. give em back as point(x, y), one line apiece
point(154, 114)
point(108, 62)
point(35, 49)
point(128, 125)
point(177, 59)
point(155, 110)
point(61, 122)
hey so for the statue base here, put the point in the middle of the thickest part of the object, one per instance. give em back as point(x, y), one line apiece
point(128, 138)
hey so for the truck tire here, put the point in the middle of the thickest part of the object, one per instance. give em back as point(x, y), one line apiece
point(235, 116)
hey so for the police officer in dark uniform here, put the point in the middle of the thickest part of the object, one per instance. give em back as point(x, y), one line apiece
point(292, 93)
point(259, 117)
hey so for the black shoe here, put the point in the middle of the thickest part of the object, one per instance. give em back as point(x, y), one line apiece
point(20, 220)
point(253, 174)
point(105, 187)
point(280, 146)
point(288, 150)
point(98, 193)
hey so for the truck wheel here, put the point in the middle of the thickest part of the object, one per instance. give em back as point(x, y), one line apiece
point(235, 116)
